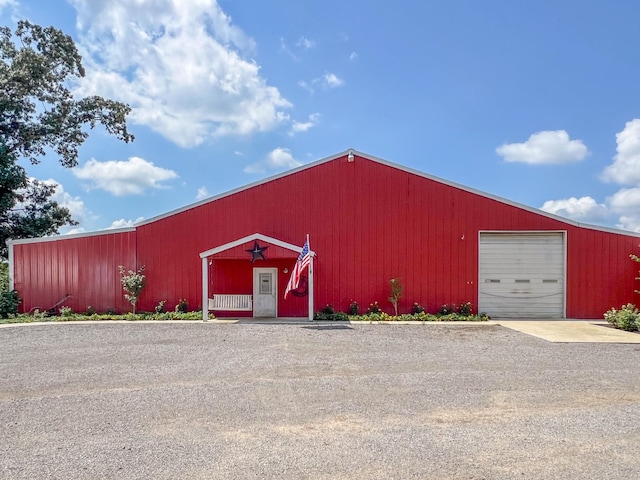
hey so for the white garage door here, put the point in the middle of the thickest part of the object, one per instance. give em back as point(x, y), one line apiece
point(522, 275)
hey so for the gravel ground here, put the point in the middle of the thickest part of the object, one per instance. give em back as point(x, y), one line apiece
point(165, 401)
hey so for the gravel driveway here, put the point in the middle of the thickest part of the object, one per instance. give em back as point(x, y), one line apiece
point(165, 401)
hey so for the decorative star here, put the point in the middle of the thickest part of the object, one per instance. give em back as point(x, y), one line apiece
point(257, 252)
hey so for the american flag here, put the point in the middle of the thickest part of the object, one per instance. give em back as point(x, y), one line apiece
point(303, 262)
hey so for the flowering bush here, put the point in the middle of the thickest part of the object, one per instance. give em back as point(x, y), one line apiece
point(374, 308)
point(420, 317)
point(132, 284)
point(354, 308)
point(160, 307)
point(328, 310)
point(447, 309)
point(465, 308)
point(627, 318)
point(182, 306)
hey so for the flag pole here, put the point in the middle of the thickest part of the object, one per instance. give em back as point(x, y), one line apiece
point(310, 273)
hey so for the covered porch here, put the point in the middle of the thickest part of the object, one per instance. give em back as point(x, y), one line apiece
point(246, 278)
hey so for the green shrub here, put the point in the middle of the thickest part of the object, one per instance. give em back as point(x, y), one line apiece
point(66, 311)
point(627, 318)
point(9, 301)
point(465, 309)
point(447, 309)
point(328, 310)
point(374, 308)
point(182, 306)
point(160, 307)
point(416, 308)
point(4, 276)
point(335, 316)
point(354, 308)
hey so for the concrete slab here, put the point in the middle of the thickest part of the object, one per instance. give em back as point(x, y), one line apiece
point(572, 331)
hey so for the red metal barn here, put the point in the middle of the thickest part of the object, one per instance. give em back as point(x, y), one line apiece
point(368, 221)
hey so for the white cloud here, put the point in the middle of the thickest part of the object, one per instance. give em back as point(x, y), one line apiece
point(130, 177)
point(180, 65)
point(297, 127)
point(285, 48)
point(78, 210)
point(278, 159)
point(625, 169)
point(332, 80)
point(328, 80)
point(8, 3)
point(202, 193)
point(353, 56)
point(583, 209)
point(629, 222)
point(625, 201)
point(75, 205)
point(547, 147)
point(122, 223)
point(305, 43)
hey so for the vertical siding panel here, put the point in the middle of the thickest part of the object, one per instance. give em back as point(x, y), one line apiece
point(368, 222)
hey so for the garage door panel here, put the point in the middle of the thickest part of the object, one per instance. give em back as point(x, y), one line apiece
point(522, 274)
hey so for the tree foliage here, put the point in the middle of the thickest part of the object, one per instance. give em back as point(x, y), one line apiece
point(26, 209)
point(40, 115)
point(38, 108)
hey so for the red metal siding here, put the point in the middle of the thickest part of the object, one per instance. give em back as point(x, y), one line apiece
point(368, 222)
point(84, 267)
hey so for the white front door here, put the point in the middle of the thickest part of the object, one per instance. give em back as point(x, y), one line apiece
point(265, 292)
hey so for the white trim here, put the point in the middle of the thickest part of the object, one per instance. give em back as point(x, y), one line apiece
point(398, 167)
point(205, 290)
point(11, 265)
point(527, 232)
point(248, 238)
point(344, 155)
point(310, 273)
point(57, 238)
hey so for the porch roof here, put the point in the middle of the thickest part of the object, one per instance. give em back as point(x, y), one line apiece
point(250, 238)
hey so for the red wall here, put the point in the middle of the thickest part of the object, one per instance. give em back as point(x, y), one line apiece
point(368, 222)
point(84, 267)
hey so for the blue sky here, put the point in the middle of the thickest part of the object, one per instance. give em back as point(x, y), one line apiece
point(534, 101)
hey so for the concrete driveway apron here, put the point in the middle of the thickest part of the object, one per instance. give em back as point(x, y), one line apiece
point(572, 331)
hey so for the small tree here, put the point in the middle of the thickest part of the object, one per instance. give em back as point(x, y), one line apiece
point(132, 284)
point(396, 294)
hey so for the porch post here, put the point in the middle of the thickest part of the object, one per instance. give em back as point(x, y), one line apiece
point(205, 289)
point(310, 287)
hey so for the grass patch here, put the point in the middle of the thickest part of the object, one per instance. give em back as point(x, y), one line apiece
point(77, 317)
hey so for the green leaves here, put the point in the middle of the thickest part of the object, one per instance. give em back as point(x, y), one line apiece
point(39, 68)
point(38, 110)
point(132, 284)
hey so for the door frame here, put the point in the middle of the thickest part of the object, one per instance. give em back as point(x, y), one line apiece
point(563, 233)
point(256, 288)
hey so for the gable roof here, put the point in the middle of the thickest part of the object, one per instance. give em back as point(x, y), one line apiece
point(249, 238)
point(398, 167)
point(307, 166)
